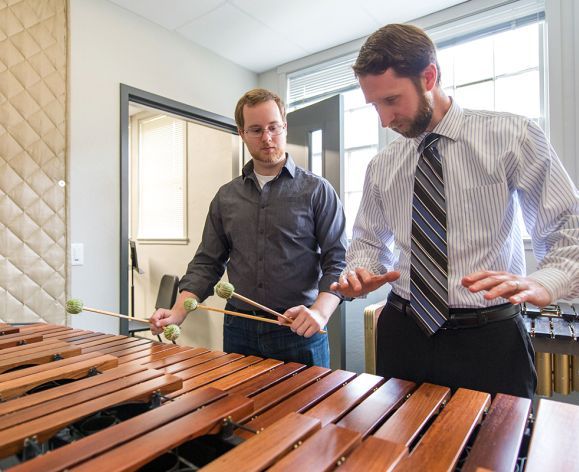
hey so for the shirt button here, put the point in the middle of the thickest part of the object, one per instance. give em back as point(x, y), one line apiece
point(260, 285)
point(260, 258)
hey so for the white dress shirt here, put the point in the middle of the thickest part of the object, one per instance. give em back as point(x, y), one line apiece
point(492, 163)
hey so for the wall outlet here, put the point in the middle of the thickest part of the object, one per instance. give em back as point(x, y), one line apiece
point(77, 254)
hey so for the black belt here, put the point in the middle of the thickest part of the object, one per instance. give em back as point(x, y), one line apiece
point(463, 317)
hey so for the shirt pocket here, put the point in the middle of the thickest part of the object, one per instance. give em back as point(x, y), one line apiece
point(291, 217)
point(482, 214)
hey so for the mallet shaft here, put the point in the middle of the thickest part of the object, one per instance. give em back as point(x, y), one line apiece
point(117, 315)
point(260, 306)
point(245, 315)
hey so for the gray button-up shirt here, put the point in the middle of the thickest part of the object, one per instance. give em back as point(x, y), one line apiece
point(281, 244)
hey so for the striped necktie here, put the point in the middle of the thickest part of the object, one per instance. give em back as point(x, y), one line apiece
point(429, 257)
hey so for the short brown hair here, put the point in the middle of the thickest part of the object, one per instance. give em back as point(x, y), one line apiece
point(406, 49)
point(255, 97)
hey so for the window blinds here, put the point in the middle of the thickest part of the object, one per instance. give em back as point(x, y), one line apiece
point(161, 178)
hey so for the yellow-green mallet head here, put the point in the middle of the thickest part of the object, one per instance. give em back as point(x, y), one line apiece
point(190, 304)
point(224, 290)
point(74, 306)
point(171, 332)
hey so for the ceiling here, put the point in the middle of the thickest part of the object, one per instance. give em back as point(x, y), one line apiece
point(262, 34)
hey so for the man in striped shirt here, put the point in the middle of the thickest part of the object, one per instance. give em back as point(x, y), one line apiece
point(492, 165)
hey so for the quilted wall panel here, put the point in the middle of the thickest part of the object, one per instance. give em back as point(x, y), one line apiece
point(33, 88)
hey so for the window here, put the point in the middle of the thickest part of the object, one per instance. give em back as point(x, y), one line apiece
point(161, 179)
point(361, 127)
point(316, 150)
point(313, 84)
point(500, 72)
point(360, 145)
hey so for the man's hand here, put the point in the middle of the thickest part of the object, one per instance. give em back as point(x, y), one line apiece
point(163, 317)
point(515, 288)
point(176, 315)
point(306, 321)
point(361, 282)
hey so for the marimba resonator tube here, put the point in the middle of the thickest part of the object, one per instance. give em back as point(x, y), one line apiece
point(544, 365)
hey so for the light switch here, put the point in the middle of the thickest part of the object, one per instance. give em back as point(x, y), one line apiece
point(77, 254)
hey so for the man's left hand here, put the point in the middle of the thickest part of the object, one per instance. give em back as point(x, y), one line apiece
point(515, 288)
point(306, 322)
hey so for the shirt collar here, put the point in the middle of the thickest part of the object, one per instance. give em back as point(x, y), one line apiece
point(289, 167)
point(449, 126)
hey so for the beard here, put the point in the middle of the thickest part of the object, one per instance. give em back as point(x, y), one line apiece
point(268, 158)
point(421, 119)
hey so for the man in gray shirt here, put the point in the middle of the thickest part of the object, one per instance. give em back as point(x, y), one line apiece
point(280, 232)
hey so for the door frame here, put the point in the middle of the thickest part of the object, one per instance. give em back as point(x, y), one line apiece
point(129, 95)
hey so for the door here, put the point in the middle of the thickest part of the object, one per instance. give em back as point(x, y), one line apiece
point(315, 142)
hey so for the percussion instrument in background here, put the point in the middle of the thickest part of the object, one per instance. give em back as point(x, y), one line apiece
point(554, 330)
point(83, 401)
point(559, 321)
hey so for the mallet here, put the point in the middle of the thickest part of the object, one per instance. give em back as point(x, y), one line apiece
point(227, 290)
point(190, 304)
point(74, 306)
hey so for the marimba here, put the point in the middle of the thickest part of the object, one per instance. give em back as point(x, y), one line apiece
point(83, 401)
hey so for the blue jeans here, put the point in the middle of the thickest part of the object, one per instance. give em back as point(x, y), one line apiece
point(255, 338)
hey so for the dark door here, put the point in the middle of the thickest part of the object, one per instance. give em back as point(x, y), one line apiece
point(315, 142)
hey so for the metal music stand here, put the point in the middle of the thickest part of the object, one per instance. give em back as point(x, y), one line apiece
point(134, 267)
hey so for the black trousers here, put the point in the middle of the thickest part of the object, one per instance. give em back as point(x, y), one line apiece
point(495, 358)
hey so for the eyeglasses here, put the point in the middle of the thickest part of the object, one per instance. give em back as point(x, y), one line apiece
point(274, 129)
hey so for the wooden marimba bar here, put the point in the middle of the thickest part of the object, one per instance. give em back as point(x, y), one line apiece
point(121, 404)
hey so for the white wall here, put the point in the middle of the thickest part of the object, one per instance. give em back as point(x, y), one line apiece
point(563, 55)
point(109, 46)
point(275, 81)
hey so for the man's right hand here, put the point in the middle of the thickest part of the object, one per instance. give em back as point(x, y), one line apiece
point(361, 282)
point(163, 317)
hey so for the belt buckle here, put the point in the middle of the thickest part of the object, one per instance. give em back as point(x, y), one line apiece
point(482, 317)
point(456, 322)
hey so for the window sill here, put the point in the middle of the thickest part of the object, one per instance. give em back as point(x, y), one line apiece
point(183, 241)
